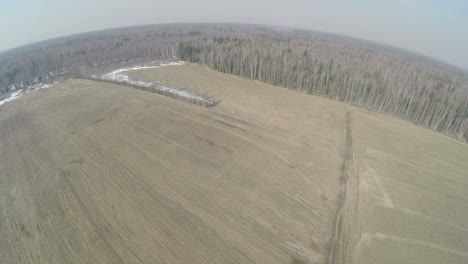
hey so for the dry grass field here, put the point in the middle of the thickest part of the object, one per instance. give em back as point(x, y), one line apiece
point(93, 172)
point(406, 198)
point(413, 189)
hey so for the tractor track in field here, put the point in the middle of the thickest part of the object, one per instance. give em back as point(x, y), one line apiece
point(345, 223)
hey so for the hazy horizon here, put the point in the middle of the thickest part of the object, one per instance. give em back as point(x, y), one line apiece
point(438, 30)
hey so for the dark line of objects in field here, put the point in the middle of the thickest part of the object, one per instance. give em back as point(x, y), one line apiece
point(162, 92)
point(118, 77)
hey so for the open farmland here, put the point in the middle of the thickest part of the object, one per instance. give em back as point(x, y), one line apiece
point(94, 172)
point(99, 173)
point(405, 199)
point(413, 199)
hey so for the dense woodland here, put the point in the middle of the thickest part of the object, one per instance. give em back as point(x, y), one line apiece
point(426, 92)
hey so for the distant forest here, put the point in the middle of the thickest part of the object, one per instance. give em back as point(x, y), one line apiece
point(424, 91)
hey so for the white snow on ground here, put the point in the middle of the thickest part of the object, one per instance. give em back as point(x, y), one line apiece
point(118, 76)
point(12, 96)
point(17, 94)
point(40, 86)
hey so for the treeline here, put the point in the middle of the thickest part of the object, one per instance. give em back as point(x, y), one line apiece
point(423, 91)
point(375, 78)
point(85, 54)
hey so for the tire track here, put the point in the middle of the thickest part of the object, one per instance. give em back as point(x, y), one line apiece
point(380, 236)
point(341, 243)
point(88, 214)
point(260, 146)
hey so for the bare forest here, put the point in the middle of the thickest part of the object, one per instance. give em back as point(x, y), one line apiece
point(421, 90)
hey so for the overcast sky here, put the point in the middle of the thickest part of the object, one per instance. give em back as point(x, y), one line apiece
point(438, 28)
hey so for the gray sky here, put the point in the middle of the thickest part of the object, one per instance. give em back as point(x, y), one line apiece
point(435, 28)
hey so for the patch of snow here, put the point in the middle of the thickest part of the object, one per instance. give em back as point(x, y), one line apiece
point(17, 94)
point(12, 96)
point(118, 76)
point(184, 94)
point(39, 86)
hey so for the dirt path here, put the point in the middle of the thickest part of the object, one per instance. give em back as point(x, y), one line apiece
point(342, 242)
